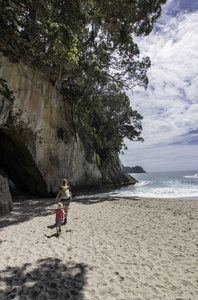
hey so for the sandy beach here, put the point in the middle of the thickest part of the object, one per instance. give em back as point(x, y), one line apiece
point(111, 248)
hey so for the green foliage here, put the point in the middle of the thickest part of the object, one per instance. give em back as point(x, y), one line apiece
point(86, 48)
point(98, 160)
point(112, 120)
point(41, 33)
point(51, 34)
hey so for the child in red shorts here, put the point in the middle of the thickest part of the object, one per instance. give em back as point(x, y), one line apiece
point(59, 217)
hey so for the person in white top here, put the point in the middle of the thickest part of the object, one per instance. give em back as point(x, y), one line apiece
point(65, 196)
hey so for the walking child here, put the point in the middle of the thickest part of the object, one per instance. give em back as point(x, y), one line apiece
point(59, 217)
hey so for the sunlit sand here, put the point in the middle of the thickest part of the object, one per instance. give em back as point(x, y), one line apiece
point(111, 248)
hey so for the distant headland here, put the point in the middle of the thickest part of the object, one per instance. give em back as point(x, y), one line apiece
point(135, 169)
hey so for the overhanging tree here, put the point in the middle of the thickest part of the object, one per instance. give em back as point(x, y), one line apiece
point(86, 48)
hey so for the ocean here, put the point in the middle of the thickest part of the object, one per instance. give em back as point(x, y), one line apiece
point(178, 184)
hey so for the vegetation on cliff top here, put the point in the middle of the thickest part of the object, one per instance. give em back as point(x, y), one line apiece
point(136, 169)
point(86, 49)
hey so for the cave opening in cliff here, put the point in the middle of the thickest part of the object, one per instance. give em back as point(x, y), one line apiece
point(17, 163)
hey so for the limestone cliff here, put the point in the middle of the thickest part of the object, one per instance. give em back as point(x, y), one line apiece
point(5, 196)
point(38, 142)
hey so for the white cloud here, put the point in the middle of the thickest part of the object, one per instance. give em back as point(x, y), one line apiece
point(170, 104)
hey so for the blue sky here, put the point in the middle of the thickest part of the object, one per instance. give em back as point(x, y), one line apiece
point(170, 104)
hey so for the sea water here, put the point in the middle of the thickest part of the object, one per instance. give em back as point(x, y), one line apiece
point(178, 184)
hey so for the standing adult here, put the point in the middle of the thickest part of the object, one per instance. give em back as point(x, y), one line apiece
point(65, 196)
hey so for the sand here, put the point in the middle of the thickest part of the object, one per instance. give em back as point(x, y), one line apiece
point(111, 248)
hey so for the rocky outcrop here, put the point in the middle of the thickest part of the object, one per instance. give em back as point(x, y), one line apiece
point(135, 169)
point(38, 142)
point(114, 174)
point(5, 196)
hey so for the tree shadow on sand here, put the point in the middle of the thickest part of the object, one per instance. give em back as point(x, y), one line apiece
point(50, 279)
point(25, 210)
point(99, 199)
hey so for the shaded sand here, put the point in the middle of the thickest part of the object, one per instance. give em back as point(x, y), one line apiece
point(111, 248)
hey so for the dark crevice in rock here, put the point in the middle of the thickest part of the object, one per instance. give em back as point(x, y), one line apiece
point(17, 162)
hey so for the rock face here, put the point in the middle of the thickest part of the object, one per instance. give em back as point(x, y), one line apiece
point(38, 142)
point(135, 169)
point(5, 196)
point(115, 175)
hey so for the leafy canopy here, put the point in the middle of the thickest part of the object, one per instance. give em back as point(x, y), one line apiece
point(86, 48)
point(49, 34)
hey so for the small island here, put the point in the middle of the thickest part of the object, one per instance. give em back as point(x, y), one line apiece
point(135, 169)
